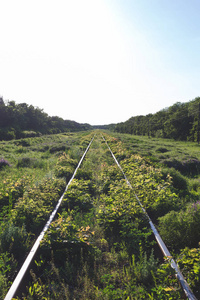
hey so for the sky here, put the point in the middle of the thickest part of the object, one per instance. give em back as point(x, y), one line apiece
point(99, 61)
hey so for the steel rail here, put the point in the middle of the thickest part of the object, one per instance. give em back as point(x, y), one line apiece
point(35, 247)
point(188, 292)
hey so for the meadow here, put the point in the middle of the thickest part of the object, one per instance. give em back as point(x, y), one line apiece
point(100, 245)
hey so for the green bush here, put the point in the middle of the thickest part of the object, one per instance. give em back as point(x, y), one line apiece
point(179, 182)
point(181, 229)
point(162, 150)
point(78, 197)
point(29, 162)
point(14, 239)
point(3, 286)
point(144, 268)
point(29, 133)
point(189, 262)
point(189, 166)
point(36, 205)
point(25, 162)
point(64, 171)
point(194, 184)
point(4, 163)
point(23, 142)
point(57, 148)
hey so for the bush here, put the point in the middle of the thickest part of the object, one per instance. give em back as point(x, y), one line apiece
point(181, 229)
point(57, 148)
point(178, 180)
point(84, 174)
point(162, 150)
point(189, 166)
point(36, 205)
point(23, 142)
point(14, 240)
point(78, 197)
point(64, 171)
point(194, 184)
point(29, 133)
point(7, 135)
point(189, 262)
point(3, 163)
point(29, 162)
point(65, 167)
point(3, 286)
point(142, 269)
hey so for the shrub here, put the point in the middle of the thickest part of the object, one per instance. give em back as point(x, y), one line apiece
point(142, 269)
point(178, 180)
point(54, 149)
point(194, 184)
point(36, 205)
point(189, 166)
point(14, 239)
point(65, 167)
point(3, 163)
point(189, 262)
point(162, 150)
point(3, 286)
point(64, 171)
point(25, 162)
point(78, 197)
point(181, 229)
point(29, 133)
point(10, 135)
point(23, 142)
point(84, 174)
point(64, 232)
point(29, 162)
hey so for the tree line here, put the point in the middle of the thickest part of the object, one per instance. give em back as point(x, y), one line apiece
point(180, 121)
point(23, 120)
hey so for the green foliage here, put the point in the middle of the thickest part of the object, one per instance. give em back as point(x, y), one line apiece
point(11, 190)
point(23, 120)
point(179, 182)
point(65, 167)
point(3, 286)
point(189, 262)
point(14, 239)
point(99, 245)
point(28, 162)
point(179, 122)
point(64, 233)
point(143, 269)
point(36, 205)
point(166, 283)
point(4, 163)
point(78, 196)
point(189, 166)
point(122, 218)
point(7, 272)
point(181, 229)
point(156, 194)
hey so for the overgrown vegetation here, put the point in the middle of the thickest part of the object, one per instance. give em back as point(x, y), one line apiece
point(100, 245)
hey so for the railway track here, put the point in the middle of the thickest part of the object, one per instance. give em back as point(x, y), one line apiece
point(188, 292)
point(12, 291)
point(22, 273)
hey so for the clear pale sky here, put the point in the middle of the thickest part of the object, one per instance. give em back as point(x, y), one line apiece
point(99, 61)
